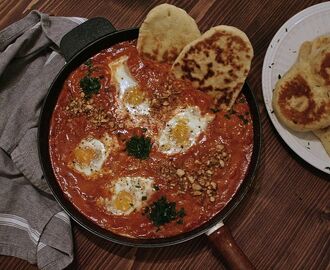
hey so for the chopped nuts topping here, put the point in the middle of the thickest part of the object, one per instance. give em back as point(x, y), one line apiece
point(197, 193)
point(196, 187)
point(197, 176)
point(180, 172)
point(95, 114)
point(213, 185)
point(191, 179)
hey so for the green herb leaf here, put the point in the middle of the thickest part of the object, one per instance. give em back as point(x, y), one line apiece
point(231, 111)
point(90, 86)
point(181, 213)
point(241, 100)
point(180, 221)
point(139, 147)
point(245, 121)
point(89, 63)
point(163, 211)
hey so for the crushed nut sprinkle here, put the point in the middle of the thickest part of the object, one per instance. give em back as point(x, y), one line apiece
point(180, 172)
point(95, 114)
point(199, 180)
point(167, 95)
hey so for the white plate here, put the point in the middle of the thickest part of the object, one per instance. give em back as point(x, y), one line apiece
point(281, 54)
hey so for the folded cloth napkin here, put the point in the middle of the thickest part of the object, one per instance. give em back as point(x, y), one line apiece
point(32, 225)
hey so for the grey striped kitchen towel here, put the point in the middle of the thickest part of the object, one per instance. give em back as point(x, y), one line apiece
point(32, 225)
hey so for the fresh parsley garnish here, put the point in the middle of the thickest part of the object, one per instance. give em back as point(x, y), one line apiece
point(90, 86)
point(214, 110)
point(241, 100)
point(181, 213)
point(180, 221)
point(244, 120)
point(232, 111)
point(229, 113)
point(89, 63)
point(139, 147)
point(163, 211)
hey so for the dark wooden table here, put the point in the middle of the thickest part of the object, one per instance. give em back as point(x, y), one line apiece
point(283, 223)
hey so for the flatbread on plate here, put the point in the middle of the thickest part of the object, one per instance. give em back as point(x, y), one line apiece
point(301, 98)
point(324, 136)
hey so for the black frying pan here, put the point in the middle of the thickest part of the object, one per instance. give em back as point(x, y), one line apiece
point(77, 46)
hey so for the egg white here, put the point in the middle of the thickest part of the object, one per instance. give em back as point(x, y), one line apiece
point(100, 150)
point(192, 123)
point(139, 190)
point(124, 82)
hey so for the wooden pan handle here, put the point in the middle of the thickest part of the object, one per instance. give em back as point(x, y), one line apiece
point(233, 256)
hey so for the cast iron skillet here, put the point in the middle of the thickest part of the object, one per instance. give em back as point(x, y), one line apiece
point(79, 45)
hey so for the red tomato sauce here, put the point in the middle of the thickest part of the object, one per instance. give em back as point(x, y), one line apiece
point(214, 167)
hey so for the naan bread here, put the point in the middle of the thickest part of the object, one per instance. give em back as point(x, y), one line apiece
point(164, 33)
point(320, 61)
point(301, 98)
point(319, 43)
point(324, 136)
point(217, 63)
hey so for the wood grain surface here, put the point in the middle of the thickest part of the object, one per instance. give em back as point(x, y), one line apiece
point(283, 222)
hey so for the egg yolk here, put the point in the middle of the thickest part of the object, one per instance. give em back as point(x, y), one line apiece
point(123, 201)
point(181, 132)
point(84, 156)
point(134, 96)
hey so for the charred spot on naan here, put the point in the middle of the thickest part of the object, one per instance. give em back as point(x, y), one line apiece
point(325, 69)
point(319, 61)
point(296, 102)
point(222, 97)
point(168, 56)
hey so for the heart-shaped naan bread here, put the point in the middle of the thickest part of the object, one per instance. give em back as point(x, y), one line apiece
point(164, 33)
point(217, 63)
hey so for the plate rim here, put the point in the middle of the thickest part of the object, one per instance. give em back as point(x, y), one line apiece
point(266, 80)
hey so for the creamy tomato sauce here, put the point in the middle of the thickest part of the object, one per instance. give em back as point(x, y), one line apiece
point(200, 179)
